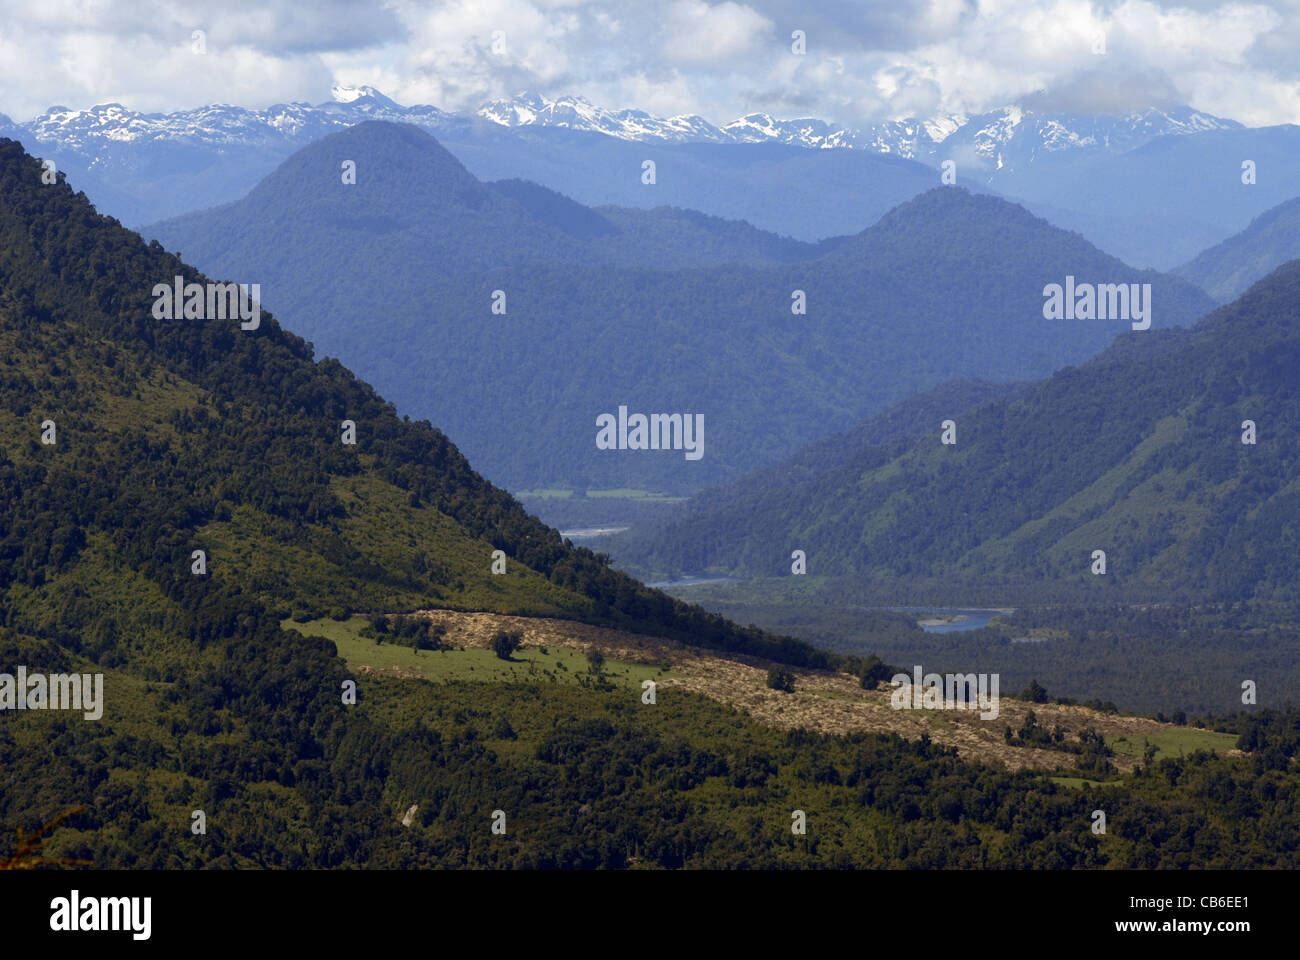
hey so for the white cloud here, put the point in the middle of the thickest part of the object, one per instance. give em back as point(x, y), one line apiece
point(865, 61)
point(705, 34)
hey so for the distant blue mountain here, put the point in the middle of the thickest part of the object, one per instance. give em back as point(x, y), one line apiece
point(673, 312)
point(1171, 197)
point(142, 168)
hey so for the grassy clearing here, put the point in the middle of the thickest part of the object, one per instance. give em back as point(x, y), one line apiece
point(1173, 741)
point(615, 493)
point(627, 493)
point(472, 663)
point(1078, 783)
point(833, 695)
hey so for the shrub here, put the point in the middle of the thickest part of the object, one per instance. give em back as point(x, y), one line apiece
point(779, 678)
point(874, 671)
point(506, 642)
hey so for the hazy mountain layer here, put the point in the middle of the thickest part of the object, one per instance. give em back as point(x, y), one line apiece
point(406, 273)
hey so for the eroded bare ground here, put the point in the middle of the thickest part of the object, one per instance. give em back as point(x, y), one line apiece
point(823, 701)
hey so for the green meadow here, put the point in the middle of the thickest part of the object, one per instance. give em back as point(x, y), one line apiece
point(1173, 742)
point(471, 663)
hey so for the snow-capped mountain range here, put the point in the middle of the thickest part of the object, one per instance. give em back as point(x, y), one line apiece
point(994, 137)
point(999, 139)
point(1148, 186)
point(575, 113)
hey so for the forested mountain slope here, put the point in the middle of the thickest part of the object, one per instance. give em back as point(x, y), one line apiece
point(171, 489)
point(1225, 270)
point(1138, 453)
point(241, 433)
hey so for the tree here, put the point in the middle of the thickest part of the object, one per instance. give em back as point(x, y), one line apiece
point(506, 642)
point(1035, 692)
point(596, 661)
point(779, 678)
point(874, 671)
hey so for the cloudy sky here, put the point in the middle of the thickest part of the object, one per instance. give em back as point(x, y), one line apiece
point(864, 60)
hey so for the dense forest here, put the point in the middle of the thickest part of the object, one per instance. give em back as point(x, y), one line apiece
point(587, 779)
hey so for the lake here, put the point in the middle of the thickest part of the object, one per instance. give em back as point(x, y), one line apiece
point(955, 620)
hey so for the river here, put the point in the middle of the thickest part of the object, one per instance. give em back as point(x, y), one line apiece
point(693, 581)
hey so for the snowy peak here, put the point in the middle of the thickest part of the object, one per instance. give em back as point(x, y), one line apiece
point(345, 94)
point(942, 127)
point(350, 104)
point(753, 127)
point(99, 127)
point(531, 109)
point(804, 132)
point(576, 113)
point(911, 139)
point(1011, 137)
point(1181, 120)
point(112, 123)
